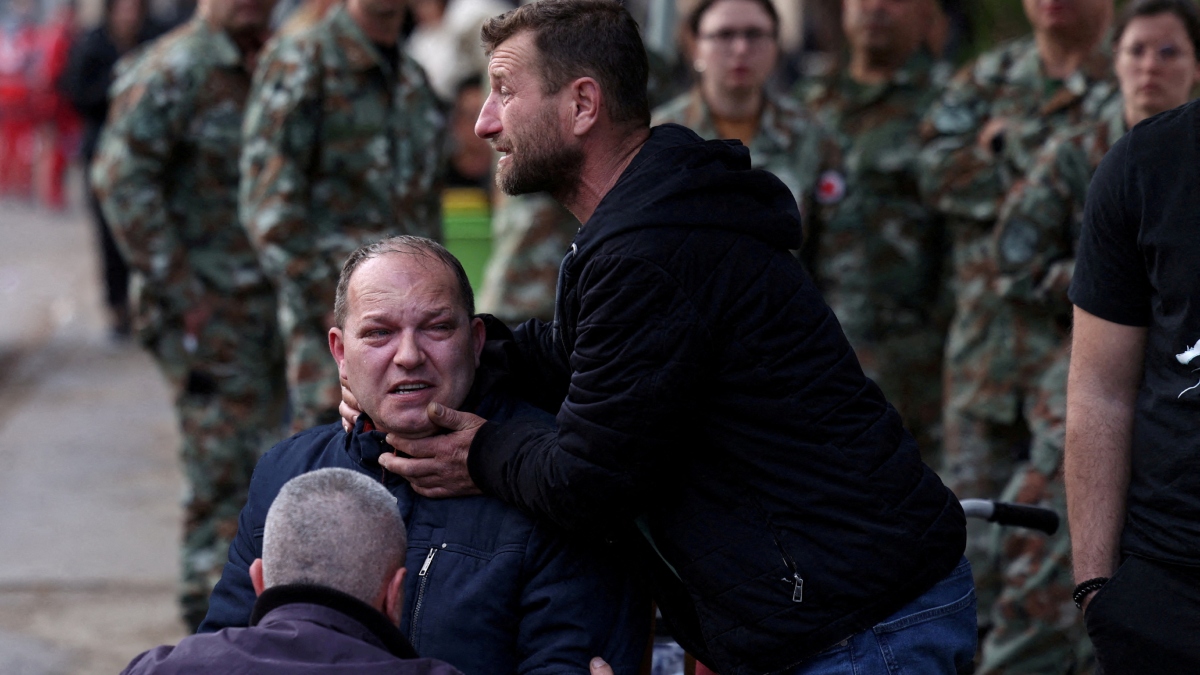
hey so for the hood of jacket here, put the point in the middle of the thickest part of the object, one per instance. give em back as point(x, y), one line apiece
point(681, 179)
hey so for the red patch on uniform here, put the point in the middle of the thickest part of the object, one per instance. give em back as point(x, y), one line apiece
point(831, 187)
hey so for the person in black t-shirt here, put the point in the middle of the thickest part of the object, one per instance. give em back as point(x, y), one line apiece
point(1133, 400)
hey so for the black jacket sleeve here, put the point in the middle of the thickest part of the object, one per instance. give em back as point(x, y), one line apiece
point(636, 362)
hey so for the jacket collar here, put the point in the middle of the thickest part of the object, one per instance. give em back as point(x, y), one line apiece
point(915, 74)
point(773, 123)
point(222, 51)
point(1096, 68)
point(357, 618)
point(360, 53)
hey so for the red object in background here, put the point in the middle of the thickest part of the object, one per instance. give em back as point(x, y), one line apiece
point(701, 669)
point(18, 57)
point(60, 123)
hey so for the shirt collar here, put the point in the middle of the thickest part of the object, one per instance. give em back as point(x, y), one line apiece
point(353, 616)
point(223, 51)
point(359, 52)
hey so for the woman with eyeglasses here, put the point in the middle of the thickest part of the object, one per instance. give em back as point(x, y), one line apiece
point(733, 46)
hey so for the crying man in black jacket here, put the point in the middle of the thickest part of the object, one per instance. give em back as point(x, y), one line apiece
point(711, 416)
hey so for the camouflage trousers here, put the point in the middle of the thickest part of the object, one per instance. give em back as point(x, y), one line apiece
point(1023, 578)
point(229, 400)
point(908, 368)
point(531, 234)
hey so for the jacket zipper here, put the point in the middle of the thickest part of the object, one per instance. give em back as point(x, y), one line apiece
point(424, 581)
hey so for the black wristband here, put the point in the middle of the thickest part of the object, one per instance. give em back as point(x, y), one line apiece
point(1081, 591)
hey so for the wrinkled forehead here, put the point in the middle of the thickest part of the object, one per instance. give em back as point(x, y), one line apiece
point(410, 280)
point(516, 57)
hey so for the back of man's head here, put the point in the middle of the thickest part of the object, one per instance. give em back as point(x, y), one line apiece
point(334, 528)
point(584, 38)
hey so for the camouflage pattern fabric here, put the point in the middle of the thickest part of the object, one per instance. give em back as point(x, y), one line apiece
point(530, 235)
point(166, 176)
point(882, 271)
point(1041, 217)
point(1036, 237)
point(1005, 367)
point(790, 143)
point(341, 148)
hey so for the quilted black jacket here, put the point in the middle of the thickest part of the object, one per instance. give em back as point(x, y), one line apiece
point(713, 404)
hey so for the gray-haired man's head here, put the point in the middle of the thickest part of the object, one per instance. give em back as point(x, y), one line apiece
point(334, 528)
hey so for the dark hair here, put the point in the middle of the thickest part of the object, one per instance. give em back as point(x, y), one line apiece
point(583, 38)
point(1184, 9)
point(697, 13)
point(405, 245)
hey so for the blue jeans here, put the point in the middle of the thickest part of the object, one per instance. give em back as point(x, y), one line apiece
point(932, 635)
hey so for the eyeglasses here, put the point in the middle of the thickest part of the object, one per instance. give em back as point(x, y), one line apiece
point(754, 37)
point(1165, 54)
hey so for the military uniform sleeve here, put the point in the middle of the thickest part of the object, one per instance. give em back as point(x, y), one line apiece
point(431, 152)
point(1034, 236)
point(280, 140)
point(147, 122)
point(958, 177)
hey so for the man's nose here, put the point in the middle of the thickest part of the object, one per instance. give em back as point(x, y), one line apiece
point(409, 353)
point(488, 124)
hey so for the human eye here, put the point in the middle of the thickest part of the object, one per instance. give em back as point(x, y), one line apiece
point(374, 332)
point(1169, 52)
point(727, 35)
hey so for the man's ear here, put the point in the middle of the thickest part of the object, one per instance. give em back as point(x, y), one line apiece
point(337, 346)
point(586, 100)
point(478, 337)
point(393, 596)
point(256, 576)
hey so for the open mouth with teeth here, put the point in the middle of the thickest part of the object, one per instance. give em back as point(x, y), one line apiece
point(408, 388)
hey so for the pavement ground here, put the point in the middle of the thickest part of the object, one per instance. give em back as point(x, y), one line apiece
point(89, 478)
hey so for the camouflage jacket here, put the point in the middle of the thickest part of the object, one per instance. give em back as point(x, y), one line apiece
point(340, 149)
point(166, 170)
point(790, 143)
point(987, 345)
point(1040, 220)
point(881, 271)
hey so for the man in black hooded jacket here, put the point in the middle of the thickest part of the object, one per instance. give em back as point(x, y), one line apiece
point(711, 414)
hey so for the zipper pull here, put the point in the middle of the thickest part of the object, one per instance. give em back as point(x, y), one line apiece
point(428, 561)
point(797, 590)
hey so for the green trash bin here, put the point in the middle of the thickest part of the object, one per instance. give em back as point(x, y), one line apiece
point(467, 223)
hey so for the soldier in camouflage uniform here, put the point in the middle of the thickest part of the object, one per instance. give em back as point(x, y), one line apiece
point(1005, 374)
point(166, 175)
point(735, 50)
point(881, 272)
point(344, 145)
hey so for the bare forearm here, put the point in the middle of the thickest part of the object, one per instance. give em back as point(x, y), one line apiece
point(1106, 371)
point(1096, 469)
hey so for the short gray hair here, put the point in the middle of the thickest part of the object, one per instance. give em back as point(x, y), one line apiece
point(335, 528)
point(406, 244)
